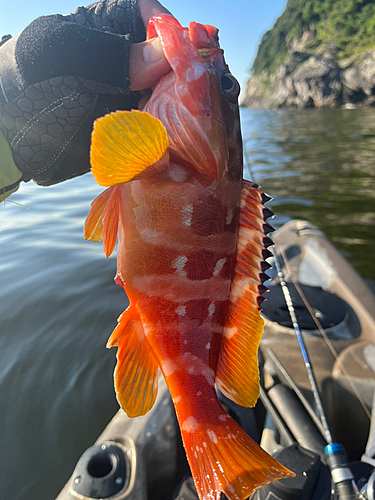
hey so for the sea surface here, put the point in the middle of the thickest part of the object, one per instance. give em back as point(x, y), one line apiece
point(59, 303)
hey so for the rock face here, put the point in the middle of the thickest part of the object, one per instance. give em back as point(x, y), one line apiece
point(310, 80)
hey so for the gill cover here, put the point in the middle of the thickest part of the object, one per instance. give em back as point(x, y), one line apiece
point(190, 100)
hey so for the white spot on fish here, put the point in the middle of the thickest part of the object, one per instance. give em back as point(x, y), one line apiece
point(233, 392)
point(230, 488)
point(196, 366)
point(185, 342)
point(247, 235)
point(194, 72)
point(208, 345)
point(187, 213)
point(181, 310)
point(212, 436)
point(229, 332)
point(151, 236)
point(177, 399)
point(168, 367)
point(229, 218)
point(179, 264)
point(190, 425)
point(177, 173)
point(219, 266)
point(204, 444)
point(223, 418)
point(211, 308)
point(199, 393)
point(140, 332)
point(240, 286)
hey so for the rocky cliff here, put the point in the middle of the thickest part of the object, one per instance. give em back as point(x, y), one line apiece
point(302, 62)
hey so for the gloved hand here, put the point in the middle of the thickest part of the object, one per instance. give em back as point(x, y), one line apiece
point(46, 120)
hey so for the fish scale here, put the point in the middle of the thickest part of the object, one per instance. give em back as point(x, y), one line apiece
point(191, 250)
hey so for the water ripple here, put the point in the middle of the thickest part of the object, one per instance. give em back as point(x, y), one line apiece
point(59, 304)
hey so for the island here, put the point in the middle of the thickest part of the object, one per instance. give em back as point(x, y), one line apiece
point(319, 54)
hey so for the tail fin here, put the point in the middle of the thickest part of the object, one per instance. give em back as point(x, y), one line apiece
point(225, 459)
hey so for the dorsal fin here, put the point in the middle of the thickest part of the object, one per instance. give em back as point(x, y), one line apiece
point(237, 374)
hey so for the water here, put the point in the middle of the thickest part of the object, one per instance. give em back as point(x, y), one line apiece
point(319, 166)
point(59, 304)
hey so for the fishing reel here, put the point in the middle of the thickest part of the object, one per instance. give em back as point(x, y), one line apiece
point(368, 490)
point(315, 481)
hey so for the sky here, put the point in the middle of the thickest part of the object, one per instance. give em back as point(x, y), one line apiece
point(241, 23)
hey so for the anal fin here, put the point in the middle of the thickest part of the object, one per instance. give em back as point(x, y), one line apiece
point(244, 325)
point(136, 372)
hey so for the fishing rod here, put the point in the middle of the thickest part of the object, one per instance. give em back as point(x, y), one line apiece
point(335, 454)
point(324, 335)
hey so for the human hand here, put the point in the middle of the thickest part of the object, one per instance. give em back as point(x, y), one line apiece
point(147, 63)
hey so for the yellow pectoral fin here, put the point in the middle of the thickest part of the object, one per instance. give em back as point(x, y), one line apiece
point(244, 325)
point(126, 143)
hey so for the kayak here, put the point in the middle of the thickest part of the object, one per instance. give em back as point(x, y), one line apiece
point(143, 458)
point(345, 307)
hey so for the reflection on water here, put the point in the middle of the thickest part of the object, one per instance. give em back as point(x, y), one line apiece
point(59, 304)
point(319, 166)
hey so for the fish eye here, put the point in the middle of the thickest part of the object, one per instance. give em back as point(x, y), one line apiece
point(230, 86)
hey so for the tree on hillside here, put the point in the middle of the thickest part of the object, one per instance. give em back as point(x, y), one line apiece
point(349, 25)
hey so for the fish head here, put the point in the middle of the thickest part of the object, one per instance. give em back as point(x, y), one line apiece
point(197, 101)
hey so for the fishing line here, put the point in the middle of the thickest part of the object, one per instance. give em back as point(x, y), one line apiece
point(323, 333)
point(15, 203)
point(335, 454)
point(247, 165)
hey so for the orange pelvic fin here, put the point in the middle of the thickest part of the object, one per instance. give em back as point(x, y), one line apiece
point(103, 219)
point(126, 143)
point(244, 326)
point(136, 373)
point(225, 459)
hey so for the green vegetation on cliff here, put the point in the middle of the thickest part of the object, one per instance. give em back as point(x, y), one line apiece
point(348, 25)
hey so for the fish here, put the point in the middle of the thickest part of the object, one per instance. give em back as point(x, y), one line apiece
point(191, 256)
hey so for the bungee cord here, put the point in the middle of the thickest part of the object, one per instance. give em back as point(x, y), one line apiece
point(321, 330)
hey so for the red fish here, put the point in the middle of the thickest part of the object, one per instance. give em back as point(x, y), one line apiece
point(190, 256)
